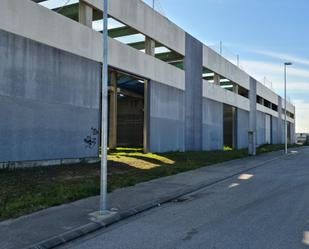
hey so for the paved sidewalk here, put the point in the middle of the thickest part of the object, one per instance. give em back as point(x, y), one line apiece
point(54, 226)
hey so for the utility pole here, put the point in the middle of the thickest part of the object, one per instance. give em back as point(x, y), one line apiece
point(220, 47)
point(153, 4)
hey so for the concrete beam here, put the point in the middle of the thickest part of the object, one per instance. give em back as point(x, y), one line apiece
point(140, 16)
point(217, 93)
point(122, 31)
point(218, 64)
point(113, 111)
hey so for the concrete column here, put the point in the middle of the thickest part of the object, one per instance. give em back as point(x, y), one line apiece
point(193, 65)
point(280, 122)
point(217, 79)
point(235, 88)
point(150, 46)
point(113, 112)
point(146, 131)
point(235, 125)
point(85, 14)
point(252, 118)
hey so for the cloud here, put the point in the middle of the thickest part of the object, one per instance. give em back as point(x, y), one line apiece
point(298, 80)
point(292, 86)
point(274, 72)
point(282, 56)
point(302, 115)
point(268, 68)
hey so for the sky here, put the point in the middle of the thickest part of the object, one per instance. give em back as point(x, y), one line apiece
point(264, 33)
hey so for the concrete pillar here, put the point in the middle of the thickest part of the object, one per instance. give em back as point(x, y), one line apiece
point(85, 14)
point(235, 125)
point(235, 88)
point(217, 79)
point(146, 132)
point(252, 118)
point(280, 122)
point(150, 46)
point(113, 112)
point(193, 66)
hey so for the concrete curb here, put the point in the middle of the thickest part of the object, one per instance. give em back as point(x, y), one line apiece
point(94, 226)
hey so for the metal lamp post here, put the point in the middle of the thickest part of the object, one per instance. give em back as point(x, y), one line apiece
point(104, 103)
point(285, 122)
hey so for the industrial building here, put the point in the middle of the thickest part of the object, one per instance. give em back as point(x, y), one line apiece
point(167, 90)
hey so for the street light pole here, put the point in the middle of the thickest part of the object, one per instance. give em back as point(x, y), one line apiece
point(285, 122)
point(104, 103)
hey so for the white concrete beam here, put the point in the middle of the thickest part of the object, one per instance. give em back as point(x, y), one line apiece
point(33, 21)
point(266, 93)
point(138, 15)
point(223, 67)
point(217, 93)
point(131, 60)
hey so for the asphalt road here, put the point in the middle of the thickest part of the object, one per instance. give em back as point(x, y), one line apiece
point(266, 208)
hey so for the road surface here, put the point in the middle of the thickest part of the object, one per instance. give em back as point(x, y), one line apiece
point(265, 208)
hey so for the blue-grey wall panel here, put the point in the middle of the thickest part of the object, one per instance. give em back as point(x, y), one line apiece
point(292, 132)
point(260, 123)
point(212, 125)
point(242, 129)
point(166, 118)
point(193, 65)
point(49, 102)
point(275, 135)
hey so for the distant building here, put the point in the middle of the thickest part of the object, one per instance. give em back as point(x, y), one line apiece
point(301, 138)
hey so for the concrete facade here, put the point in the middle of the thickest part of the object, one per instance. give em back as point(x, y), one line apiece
point(260, 128)
point(212, 125)
point(167, 118)
point(242, 129)
point(275, 132)
point(49, 101)
point(50, 85)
